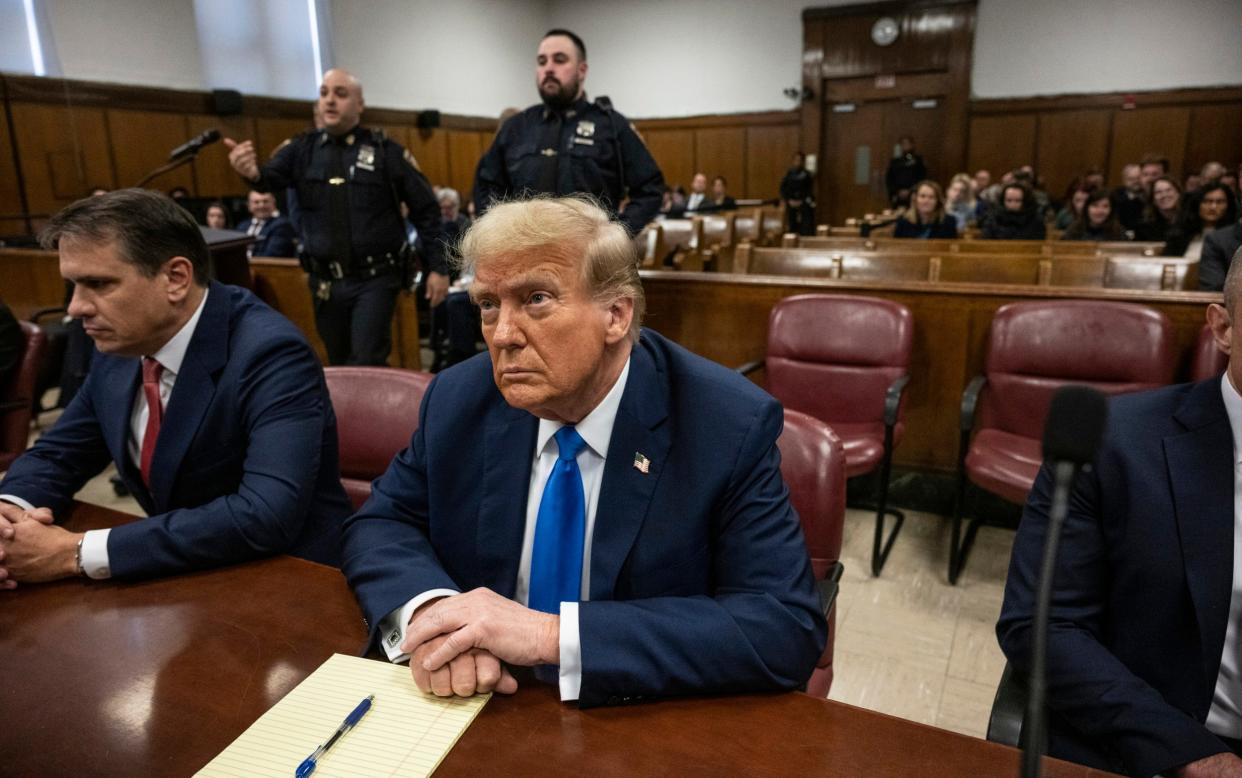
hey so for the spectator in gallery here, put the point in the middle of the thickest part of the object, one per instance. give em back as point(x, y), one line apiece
point(982, 180)
point(179, 193)
point(1230, 179)
point(1017, 218)
point(721, 199)
point(1151, 167)
point(962, 204)
point(1093, 179)
point(1162, 212)
point(698, 199)
point(905, 170)
point(1130, 198)
point(1026, 175)
point(1211, 172)
point(452, 221)
point(1208, 207)
point(926, 217)
point(217, 216)
point(1096, 221)
point(1072, 209)
point(1192, 182)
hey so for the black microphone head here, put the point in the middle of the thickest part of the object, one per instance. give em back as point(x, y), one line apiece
point(210, 136)
point(1075, 424)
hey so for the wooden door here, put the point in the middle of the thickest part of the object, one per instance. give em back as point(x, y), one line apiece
point(860, 139)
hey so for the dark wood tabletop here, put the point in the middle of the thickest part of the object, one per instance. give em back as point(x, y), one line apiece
point(156, 678)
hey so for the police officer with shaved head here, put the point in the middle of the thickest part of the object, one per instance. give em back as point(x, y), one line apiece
point(350, 183)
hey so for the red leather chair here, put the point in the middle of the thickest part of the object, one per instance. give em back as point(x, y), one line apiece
point(376, 415)
point(1034, 349)
point(17, 398)
point(845, 360)
point(813, 466)
point(1207, 360)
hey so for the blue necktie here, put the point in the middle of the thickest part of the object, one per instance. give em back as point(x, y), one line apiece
point(560, 530)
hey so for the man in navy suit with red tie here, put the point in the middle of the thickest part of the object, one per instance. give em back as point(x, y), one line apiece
point(212, 405)
point(587, 499)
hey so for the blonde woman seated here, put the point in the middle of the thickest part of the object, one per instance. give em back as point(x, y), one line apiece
point(925, 217)
point(962, 203)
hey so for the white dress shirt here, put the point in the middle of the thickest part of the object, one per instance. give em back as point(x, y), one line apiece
point(171, 355)
point(596, 431)
point(695, 201)
point(1225, 715)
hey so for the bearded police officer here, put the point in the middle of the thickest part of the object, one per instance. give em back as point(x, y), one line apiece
point(568, 145)
point(350, 182)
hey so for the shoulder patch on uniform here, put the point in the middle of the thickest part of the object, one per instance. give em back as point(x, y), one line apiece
point(413, 162)
point(281, 145)
point(637, 134)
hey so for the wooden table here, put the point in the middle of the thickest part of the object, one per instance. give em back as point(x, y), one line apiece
point(156, 678)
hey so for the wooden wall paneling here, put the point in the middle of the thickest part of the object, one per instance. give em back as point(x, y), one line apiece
point(465, 147)
point(1000, 143)
point(430, 150)
point(1071, 142)
point(62, 152)
point(397, 132)
point(141, 141)
point(1145, 130)
point(213, 174)
point(721, 151)
point(673, 151)
point(769, 151)
point(1215, 134)
point(271, 132)
point(10, 190)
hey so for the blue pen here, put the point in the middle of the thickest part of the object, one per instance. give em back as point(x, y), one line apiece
point(308, 765)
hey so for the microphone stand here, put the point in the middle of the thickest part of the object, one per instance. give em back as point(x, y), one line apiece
point(162, 169)
point(1033, 731)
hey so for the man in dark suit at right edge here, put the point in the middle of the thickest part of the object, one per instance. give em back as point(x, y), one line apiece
point(1145, 638)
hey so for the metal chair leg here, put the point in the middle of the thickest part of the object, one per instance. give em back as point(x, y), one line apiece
point(881, 546)
point(960, 547)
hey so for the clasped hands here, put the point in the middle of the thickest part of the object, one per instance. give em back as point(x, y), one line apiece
point(32, 548)
point(457, 644)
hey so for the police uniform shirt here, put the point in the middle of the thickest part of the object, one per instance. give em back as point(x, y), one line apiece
point(575, 151)
point(366, 221)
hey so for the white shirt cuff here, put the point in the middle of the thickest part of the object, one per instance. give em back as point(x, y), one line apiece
point(19, 502)
point(571, 653)
point(95, 554)
point(392, 627)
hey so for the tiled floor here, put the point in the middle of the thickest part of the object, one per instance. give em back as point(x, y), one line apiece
point(908, 644)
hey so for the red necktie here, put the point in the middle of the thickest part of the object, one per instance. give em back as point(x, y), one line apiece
point(151, 372)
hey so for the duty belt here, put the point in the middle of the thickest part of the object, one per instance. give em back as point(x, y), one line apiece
point(366, 267)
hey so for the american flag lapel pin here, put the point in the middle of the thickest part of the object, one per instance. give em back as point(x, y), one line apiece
point(641, 463)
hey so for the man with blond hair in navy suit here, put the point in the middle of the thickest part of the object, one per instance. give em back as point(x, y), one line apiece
point(586, 498)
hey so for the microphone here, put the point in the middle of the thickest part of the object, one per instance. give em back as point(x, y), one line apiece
point(1072, 436)
point(191, 147)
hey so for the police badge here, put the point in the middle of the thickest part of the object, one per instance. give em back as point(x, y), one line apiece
point(586, 129)
point(366, 157)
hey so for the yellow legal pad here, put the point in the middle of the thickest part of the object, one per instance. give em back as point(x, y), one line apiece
point(406, 732)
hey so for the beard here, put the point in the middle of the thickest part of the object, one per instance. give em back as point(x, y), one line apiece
point(562, 97)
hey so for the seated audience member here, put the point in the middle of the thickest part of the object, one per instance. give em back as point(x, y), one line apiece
point(1026, 175)
point(217, 216)
point(1130, 198)
point(697, 199)
point(453, 222)
point(1162, 212)
point(982, 180)
point(179, 193)
point(1211, 173)
point(12, 344)
point(1152, 167)
point(961, 202)
point(926, 217)
point(212, 406)
point(1093, 179)
point(666, 201)
point(721, 200)
point(1192, 182)
point(273, 233)
point(1097, 220)
point(1072, 210)
point(586, 511)
point(1017, 217)
point(1205, 209)
point(1144, 675)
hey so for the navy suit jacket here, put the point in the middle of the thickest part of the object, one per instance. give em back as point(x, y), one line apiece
point(246, 461)
point(275, 238)
point(700, 578)
point(1143, 581)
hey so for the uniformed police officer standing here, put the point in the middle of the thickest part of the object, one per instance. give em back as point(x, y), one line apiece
point(567, 145)
point(350, 181)
point(797, 191)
